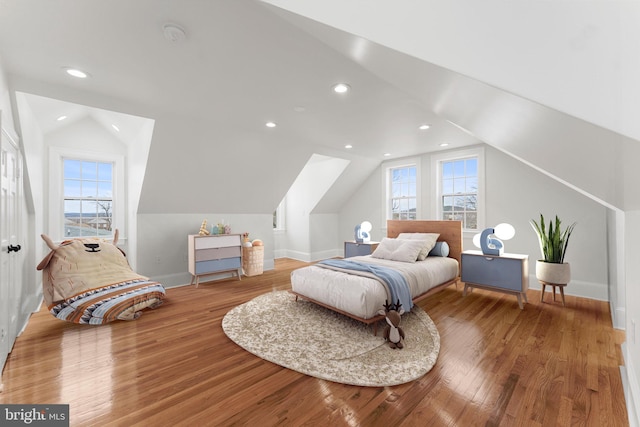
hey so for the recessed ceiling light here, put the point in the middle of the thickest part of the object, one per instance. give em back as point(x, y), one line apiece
point(341, 88)
point(116, 128)
point(444, 144)
point(77, 73)
point(61, 118)
point(270, 124)
point(424, 127)
point(299, 109)
point(387, 154)
point(348, 146)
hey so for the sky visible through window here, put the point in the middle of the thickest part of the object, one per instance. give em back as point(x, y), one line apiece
point(403, 193)
point(460, 191)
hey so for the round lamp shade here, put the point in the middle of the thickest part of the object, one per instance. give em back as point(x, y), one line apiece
point(366, 226)
point(504, 231)
point(476, 240)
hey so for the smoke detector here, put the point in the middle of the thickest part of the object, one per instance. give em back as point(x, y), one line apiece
point(174, 33)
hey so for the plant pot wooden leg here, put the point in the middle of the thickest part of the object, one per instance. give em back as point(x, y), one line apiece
point(553, 286)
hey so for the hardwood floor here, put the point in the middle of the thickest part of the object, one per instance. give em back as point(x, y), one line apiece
point(498, 365)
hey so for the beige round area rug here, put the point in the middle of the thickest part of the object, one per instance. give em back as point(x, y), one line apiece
point(311, 339)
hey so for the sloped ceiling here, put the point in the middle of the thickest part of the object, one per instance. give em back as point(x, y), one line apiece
point(573, 65)
point(245, 63)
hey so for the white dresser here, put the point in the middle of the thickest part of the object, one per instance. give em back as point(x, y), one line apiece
point(214, 254)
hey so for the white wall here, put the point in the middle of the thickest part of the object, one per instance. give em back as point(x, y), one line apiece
point(85, 136)
point(632, 274)
point(138, 152)
point(27, 289)
point(311, 236)
point(514, 194)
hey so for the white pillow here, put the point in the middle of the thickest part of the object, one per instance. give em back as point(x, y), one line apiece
point(398, 250)
point(429, 240)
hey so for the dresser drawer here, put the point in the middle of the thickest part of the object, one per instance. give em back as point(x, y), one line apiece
point(217, 253)
point(203, 267)
point(217, 241)
point(495, 271)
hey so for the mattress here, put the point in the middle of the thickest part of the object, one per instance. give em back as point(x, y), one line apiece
point(364, 296)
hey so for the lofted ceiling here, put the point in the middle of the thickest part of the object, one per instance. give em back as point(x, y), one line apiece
point(244, 63)
point(239, 65)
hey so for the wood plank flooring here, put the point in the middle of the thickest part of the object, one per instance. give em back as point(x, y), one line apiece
point(498, 366)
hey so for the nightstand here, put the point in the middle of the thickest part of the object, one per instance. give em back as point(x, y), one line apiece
point(508, 273)
point(355, 249)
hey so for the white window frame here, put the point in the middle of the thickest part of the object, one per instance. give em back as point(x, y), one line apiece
point(386, 184)
point(56, 188)
point(436, 168)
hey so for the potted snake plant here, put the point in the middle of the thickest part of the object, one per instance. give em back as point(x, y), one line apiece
point(553, 244)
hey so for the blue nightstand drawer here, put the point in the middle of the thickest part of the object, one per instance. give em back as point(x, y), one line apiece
point(358, 249)
point(494, 271)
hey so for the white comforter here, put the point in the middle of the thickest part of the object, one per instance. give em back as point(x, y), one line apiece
point(363, 296)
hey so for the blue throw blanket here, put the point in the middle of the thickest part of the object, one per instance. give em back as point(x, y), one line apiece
point(396, 282)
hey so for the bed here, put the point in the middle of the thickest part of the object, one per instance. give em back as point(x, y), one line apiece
point(89, 281)
point(360, 295)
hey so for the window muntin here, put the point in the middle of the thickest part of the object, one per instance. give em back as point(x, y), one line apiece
point(87, 198)
point(459, 190)
point(403, 192)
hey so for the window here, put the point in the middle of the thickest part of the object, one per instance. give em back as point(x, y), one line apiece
point(402, 187)
point(279, 216)
point(88, 198)
point(403, 193)
point(459, 192)
point(87, 193)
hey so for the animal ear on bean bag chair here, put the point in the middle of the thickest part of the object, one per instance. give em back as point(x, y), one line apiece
point(89, 280)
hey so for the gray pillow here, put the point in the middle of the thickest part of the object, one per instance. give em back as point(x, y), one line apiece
point(440, 249)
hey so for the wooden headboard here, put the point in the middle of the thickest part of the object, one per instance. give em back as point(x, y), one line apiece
point(450, 232)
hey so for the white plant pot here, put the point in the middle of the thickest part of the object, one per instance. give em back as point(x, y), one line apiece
point(554, 273)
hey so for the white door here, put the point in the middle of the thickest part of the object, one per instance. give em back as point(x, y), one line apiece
point(10, 255)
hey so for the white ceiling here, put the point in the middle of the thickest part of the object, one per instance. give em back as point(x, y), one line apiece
point(244, 63)
point(239, 66)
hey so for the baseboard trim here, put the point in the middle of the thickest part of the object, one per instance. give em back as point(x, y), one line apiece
point(578, 288)
point(631, 388)
point(184, 279)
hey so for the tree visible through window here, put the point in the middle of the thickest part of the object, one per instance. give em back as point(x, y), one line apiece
point(460, 191)
point(403, 193)
point(88, 198)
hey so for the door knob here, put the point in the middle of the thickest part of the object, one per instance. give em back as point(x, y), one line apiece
point(15, 248)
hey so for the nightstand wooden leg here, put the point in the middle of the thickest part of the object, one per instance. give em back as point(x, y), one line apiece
point(519, 296)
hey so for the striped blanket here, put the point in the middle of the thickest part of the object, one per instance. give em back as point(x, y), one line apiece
point(123, 301)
